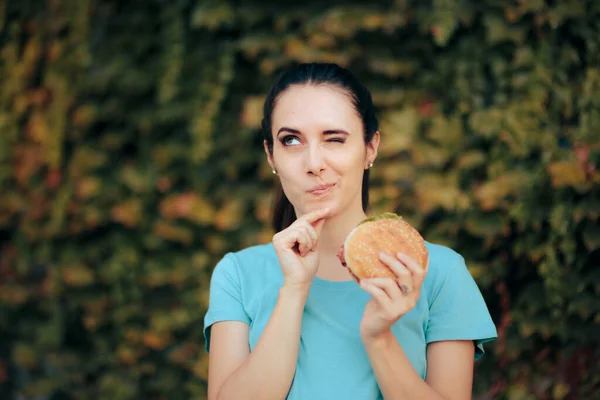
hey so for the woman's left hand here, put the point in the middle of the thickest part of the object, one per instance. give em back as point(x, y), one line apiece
point(391, 299)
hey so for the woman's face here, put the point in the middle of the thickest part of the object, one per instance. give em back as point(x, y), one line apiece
point(319, 151)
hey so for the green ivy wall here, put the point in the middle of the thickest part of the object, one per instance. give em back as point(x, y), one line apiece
point(131, 161)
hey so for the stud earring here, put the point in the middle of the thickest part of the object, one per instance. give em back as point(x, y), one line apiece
point(370, 165)
point(274, 172)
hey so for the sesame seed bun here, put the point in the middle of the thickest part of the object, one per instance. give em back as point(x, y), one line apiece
point(387, 233)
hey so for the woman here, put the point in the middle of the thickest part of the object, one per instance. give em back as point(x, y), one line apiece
point(285, 319)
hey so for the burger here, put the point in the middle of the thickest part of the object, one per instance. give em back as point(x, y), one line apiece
point(387, 233)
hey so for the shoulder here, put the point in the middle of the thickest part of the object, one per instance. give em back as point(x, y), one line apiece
point(442, 259)
point(251, 264)
point(258, 253)
point(446, 266)
point(457, 309)
point(253, 257)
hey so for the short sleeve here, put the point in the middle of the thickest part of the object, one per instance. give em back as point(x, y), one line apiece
point(458, 311)
point(225, 297)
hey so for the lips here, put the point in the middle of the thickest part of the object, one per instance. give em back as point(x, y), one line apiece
point(322, 189)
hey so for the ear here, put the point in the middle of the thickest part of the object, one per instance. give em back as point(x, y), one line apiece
point(269, 155)
point(372, 148)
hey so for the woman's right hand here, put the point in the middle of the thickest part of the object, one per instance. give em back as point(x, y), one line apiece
point(297, 250)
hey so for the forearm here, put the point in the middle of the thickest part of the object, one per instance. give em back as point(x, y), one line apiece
point(395, 375)
point(268, 371)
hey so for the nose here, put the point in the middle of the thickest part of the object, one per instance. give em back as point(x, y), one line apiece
point(315, 162)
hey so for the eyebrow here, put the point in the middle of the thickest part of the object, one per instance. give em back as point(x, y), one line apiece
point(327, 132)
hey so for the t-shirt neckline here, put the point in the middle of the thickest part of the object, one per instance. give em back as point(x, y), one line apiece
point(349, 284)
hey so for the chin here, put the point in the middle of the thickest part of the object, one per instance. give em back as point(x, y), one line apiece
point(317, 205)
point(333, 207)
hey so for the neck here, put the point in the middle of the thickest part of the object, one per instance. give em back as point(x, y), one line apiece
point(336, 229)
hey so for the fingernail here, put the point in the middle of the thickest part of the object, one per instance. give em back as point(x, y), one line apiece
point(382, 255)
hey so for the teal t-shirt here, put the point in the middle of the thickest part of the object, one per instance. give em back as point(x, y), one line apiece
point(332, 362)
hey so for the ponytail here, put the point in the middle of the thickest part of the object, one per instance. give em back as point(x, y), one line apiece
point(284, 213)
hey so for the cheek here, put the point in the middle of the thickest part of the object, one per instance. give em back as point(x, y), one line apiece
point(348, 164)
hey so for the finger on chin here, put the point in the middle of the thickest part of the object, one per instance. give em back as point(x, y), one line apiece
point(316, 215)
point(318, 225)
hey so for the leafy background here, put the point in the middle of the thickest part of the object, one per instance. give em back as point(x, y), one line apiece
point(131, 160)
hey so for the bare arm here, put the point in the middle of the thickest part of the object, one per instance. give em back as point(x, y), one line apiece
point(266, 372)
point(449, 363)
point(449, 370)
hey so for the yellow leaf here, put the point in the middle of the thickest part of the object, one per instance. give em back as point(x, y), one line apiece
point(146, 368)
point(156, 277)
point(394, 68)
point(126, 355)
point(188, 206)
point(398, 129)
point(91, 216)
point(24, 356)
point(216, 244)
point(372, 21)
point(230, 215)
point(85, 159)
point(437, 191)
point(430, 155)
point(395, 170)
point(526, 330)
point(97, 305)
point(161, 323)
point(200, 368)
point(486, 122)
point(129, 213)
point(90, 322)
point(77, 275)
point(183, 354)
point(476, 269)
point(154, 341)
point(252, 111)
point(13, 295)
point(322, 40)
point(172, 232)
point(560, 390)
point(446, 131)
point(88, 186)
point(266, 235)
point(203, 297)
point(135, 178)
point(200, 260)
point(133, 336)
point(38, 129)
point(566, 173)
point(28, 161)
point(391, 191)
point(471, 159)
point(263, 206)
point(83, 116)
point(518, 392)
point(492, 193)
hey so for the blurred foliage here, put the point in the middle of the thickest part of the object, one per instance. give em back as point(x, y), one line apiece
point(131, 160)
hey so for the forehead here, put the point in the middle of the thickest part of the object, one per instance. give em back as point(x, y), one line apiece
point(315, 107)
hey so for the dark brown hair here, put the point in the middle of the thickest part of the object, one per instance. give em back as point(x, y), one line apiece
point(318, 74)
